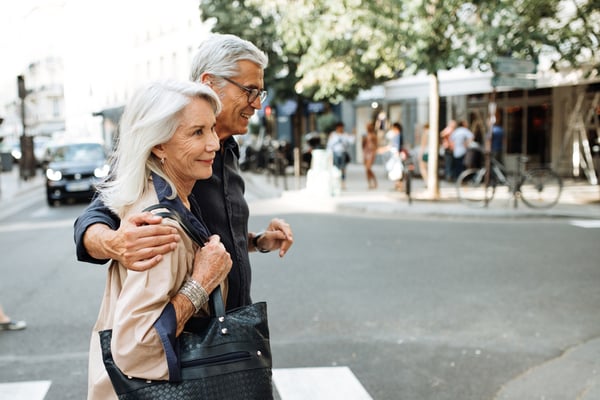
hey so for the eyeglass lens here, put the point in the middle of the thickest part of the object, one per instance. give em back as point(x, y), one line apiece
point(253, 93)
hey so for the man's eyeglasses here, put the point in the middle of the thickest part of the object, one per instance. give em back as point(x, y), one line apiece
point(253, 93)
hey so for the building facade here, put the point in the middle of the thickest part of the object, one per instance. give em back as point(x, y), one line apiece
point(555, 123)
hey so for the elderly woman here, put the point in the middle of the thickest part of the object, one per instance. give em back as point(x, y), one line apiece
point(167, 142)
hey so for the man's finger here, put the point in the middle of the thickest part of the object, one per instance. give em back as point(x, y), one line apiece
point(146, 264)
point(161, 233)
point(145, 218)
point(285, 246)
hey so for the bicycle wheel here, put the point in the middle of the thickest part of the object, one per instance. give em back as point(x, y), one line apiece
point(471, 187)
point(541, 188)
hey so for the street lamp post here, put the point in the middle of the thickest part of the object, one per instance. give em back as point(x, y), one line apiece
point(27, 162)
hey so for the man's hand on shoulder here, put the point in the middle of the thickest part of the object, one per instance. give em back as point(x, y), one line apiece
point(138, 244)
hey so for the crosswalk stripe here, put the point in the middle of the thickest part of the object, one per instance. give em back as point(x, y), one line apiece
point(33, 390)
point(319, 383)
point(586, 223)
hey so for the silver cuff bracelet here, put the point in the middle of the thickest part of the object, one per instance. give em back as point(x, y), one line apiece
point(195, 292)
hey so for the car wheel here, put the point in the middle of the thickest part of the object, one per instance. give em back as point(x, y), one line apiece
point(51, 201)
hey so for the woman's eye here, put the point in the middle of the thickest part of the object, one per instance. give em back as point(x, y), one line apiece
point(199, 132)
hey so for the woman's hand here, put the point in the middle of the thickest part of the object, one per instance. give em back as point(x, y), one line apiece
point(212, 263)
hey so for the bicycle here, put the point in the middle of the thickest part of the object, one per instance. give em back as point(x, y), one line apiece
point(538, 187)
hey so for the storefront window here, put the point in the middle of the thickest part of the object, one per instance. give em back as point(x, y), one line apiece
point(514, 129)
point(538, 133)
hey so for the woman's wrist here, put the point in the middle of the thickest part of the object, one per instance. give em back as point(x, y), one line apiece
point(197, 295)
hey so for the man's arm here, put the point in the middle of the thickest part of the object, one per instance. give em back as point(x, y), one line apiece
point(139, 242)
point(96, 212)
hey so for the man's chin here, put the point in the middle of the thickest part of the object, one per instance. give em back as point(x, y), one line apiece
point(241, 130)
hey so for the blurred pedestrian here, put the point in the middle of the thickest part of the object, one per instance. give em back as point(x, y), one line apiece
point(369, 148)
point(424, 152)
point(447, 148)
point(339, 144)
point(7, 324)
point(394, 154)
point(497, 144)
point(460, 140)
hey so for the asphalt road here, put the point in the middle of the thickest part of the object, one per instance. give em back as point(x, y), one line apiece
point(417, 308)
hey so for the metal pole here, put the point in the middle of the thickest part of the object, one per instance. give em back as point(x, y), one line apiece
point(27, 162)
point(488, 143)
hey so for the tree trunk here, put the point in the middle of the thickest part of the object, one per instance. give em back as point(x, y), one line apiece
point(433, 190)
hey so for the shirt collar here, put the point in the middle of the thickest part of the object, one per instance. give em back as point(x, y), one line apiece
point(231, 144)
point(163, 191)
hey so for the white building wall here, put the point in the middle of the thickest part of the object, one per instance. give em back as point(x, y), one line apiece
point(122, 45)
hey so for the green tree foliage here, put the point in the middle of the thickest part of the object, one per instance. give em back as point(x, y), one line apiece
point(330, 49)
point(573, 34)
point(245, 19)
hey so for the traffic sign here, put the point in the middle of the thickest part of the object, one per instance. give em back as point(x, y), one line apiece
point(516, 81)
point(508, 65)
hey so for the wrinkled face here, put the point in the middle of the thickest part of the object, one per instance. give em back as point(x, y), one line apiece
point(189, 154)
point(236, 112)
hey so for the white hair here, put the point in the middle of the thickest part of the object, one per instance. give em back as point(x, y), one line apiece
point(150, 118)
point(220, 54)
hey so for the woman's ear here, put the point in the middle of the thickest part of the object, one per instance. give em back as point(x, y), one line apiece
point(159, 151)
point(206, 78)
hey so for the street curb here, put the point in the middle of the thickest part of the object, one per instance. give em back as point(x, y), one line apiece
point(577, 365)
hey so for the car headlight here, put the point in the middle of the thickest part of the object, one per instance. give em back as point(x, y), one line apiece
point(53, 175)
point(101, 172)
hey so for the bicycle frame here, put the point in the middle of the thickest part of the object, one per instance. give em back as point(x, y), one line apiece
point(499, 171)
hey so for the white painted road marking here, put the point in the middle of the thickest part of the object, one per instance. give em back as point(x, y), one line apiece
point(32, 226)
point(326, 383)
point(586, 223)
point(320, 383)
point(24, 390)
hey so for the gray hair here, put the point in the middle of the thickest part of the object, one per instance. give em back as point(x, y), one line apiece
point(220, 54)
point(151, 117)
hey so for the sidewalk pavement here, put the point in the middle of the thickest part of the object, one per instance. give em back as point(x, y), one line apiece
point(579, 199)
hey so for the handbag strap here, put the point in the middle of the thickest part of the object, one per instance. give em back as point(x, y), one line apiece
point(216, 296)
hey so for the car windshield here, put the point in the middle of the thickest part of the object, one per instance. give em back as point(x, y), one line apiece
point(79, 152)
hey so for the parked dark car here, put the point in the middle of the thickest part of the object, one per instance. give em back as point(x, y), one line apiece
point(74, 170)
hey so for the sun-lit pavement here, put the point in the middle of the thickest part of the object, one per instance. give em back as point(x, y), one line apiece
point(578, 200)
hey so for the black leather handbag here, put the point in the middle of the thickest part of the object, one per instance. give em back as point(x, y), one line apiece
point(226, 358)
